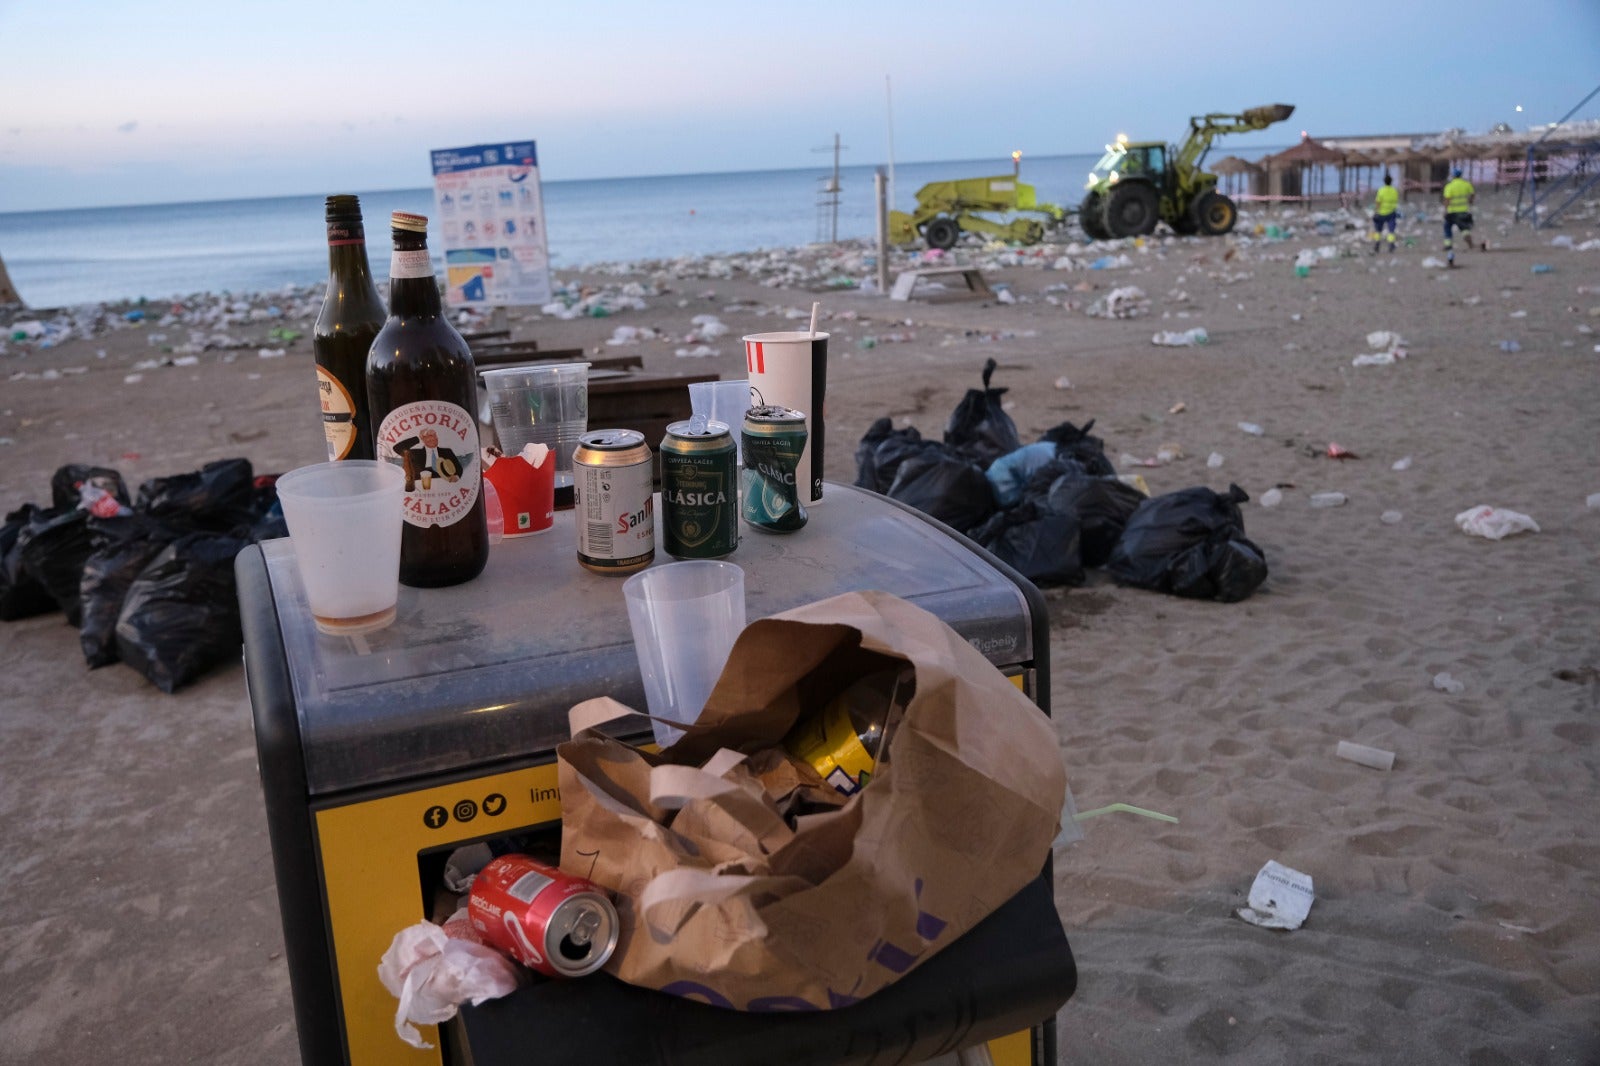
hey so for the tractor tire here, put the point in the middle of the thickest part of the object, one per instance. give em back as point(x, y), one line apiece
point(1214, 214)
point(1090, 217)
point(1132, 210)
point(942, 233)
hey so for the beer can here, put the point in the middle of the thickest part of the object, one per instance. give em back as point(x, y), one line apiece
point(613, 481)
point(557, 924)
point(773, 439)
point(699, 491)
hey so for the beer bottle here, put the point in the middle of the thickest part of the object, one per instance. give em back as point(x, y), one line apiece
point(423, 392)
point(352, 314)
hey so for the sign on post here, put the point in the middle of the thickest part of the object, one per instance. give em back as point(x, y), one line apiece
point(491, 218)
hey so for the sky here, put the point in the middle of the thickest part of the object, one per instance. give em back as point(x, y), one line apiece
point(105, 103)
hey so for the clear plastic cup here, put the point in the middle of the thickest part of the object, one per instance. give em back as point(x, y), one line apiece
point(723, 401)
point(685, 617)
point(544, 404)
point(344, 524)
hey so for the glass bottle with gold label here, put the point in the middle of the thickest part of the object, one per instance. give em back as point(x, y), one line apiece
point(352, 313)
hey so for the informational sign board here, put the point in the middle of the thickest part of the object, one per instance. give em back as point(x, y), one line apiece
point(491, 218)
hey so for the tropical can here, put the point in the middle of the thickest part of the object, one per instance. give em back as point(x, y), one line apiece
point(773, 438)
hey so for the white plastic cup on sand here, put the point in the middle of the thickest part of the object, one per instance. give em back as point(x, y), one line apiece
point(685, 617)
point(344, 524)
point(723, 401)
point(791, 369)
point(545, 404)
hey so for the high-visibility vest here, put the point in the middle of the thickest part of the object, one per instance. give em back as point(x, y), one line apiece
point(1388, 200)
point(1458, 196)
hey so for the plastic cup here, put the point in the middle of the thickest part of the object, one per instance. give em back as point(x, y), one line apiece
point(685, 617)
point(544, 404)
point(723, 401)
point(791, 369)
point(344, 524)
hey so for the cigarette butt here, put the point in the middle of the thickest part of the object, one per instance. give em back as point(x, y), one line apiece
point(1376, 758)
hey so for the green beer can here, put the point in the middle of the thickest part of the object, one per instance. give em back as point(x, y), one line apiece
point(773, 439)
point(699, 490)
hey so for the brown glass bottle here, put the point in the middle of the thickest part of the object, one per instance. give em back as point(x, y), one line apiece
point(352, 314)
point(423, 391)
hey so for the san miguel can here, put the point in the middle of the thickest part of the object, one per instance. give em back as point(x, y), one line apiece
point(613, 482)
point(773, 439)
point(557, 924)
point(699, 490)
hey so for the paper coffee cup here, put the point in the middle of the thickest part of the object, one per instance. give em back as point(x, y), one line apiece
point(791, 369)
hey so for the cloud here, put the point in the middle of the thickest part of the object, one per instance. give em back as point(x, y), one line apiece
point(128, 127)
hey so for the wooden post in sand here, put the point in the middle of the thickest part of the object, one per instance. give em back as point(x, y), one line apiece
point(8, 291)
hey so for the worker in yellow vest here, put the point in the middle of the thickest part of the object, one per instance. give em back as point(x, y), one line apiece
point(1458, 196)
point(1384, 212)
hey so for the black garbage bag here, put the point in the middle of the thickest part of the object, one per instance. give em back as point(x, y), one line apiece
point(1190, 543)
point(218, 497)
point(978, 428)
point(881, 451)
point(267, 521)
point(181, 614)
point(1103, 506)
point(1039, 543)
point(947, 486)
point(123, 547)
point(21, 594)
point(1074, 443)
point(52, 549)
point(66, 484)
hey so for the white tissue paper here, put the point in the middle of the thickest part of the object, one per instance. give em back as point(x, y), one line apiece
point(433, 972)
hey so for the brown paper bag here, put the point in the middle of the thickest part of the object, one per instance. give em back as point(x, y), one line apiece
point(720, 900)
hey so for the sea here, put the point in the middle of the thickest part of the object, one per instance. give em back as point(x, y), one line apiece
point(164, 251)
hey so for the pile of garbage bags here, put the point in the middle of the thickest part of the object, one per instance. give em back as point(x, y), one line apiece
point(148, 579)
point(1056, 507)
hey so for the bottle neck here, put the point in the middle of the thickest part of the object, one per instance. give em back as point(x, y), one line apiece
point(413, 290)
point(347, 263)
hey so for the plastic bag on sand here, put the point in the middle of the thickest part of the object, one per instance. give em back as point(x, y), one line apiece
point(1075, 443)
point(217, 497)
point(881, 451)
point(123, 547)
point(945, 485)
point(1494, 523)
point(1129, 301)
point(433, 970)
point(21, 594)
point(1037, 542)
point(1190, 543)
point(181, 614)
point(1009, 474)
point(1102, 505)
point(53, 549)
point(978, 428)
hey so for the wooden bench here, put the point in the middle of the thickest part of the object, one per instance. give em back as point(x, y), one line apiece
point(906, 282)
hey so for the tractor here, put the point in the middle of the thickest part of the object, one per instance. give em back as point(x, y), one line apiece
point(1137, 184)
point(945, 208)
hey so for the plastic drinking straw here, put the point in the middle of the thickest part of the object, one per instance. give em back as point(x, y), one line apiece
point(1129, 808)
point(815, 304)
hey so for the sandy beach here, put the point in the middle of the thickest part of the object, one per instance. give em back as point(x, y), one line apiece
point(1457, 913)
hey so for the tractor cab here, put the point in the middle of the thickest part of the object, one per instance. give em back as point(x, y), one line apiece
point(1147, 161)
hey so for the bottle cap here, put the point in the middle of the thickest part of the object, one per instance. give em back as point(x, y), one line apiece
point(406, 221)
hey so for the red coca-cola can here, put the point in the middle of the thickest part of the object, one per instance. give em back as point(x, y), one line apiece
point(549, 921)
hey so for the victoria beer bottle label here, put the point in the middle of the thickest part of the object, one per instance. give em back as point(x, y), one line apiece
point(422, 390)
point(351, 315)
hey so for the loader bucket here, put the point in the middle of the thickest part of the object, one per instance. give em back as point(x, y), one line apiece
point(1270, 113)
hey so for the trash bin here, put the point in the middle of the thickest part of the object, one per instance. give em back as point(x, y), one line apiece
point(381, 754)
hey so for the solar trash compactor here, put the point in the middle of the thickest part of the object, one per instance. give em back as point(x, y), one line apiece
point(381, 755)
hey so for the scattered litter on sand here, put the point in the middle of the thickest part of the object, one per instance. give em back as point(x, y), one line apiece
point(1280, 898)
point(1445, 683)
point(1376, 758)
point(1495, 523)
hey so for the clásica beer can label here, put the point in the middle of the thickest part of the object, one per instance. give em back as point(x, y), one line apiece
point(699, 490)
point(436, 443)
